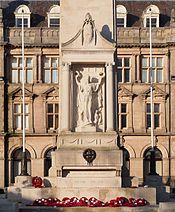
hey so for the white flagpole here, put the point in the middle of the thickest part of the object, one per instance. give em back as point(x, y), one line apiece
point(152, 157)
point(24, 162)
point(23, 81)
point(151, 79)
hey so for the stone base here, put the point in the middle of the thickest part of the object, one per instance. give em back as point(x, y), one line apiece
point(96, 209)
point(27, 195)
point(23, 181)
point(7, 206)
point(153, 180)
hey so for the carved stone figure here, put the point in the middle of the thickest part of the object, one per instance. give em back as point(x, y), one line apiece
point(88, 30)
point(86, 88)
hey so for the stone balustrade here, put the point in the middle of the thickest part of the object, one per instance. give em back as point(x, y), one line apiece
point(34, 36)
point(128, 35)
point(136, 35)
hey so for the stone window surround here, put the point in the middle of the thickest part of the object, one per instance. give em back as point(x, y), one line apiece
point(18, 68)
point(18, 100)
point(155, 113)
point(154, 14)
point(37, 59)
point(51, 97)
point(54, 13)
point(50, 57)
point(121, 13)
point(121, 113)
point(54, 114)
point(156, 67)
point(22, 11)
point(160, 100)
point(18, 114)
point(123, 67)
point(128, 101)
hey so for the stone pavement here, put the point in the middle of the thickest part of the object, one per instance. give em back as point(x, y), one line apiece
point(86, 209)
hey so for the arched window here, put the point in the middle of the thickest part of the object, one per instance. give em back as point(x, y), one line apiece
point(22, 11)
point(146, 161)
point(121, 16)
point(126, 163)
point(154, 12)
point(48, 161)
point(16, 163)
point(54, 16)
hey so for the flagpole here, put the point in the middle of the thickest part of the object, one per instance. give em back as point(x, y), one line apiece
point(152, 156)
point(24, 161)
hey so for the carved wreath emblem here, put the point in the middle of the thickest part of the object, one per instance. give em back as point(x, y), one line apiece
point(89, 155)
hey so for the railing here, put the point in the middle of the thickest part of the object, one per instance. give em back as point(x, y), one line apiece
point(33, 36)
point(135, 35)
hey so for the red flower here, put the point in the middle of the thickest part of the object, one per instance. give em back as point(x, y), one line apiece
point(37, 182)
point(92, 202)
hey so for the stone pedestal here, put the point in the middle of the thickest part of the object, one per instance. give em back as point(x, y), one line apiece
point(23, 181)
point(71, 171)
point(153, 180)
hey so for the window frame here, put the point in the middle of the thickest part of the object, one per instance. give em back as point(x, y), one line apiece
point(50, 70)
point(121, 114)
point(121, 13)
point(54, 114)
point(155, 13)
point(54, 13)
point(20, 115)
point(19, 70)
point(22, 12)
point(155, 69)
point(155, 114)
point(123, 68)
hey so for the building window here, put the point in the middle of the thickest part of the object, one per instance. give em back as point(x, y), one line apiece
point(18, 116)
point(154, 12)
point(156, 115)
point(22, 12)
point(123, 69)
point(51, 68)
point(157, 69)
point(16, 163)
point(123, 113)
point(16, 66)
point(121, 19)
point(52, 116)
point(153, 22)
point(54, 16)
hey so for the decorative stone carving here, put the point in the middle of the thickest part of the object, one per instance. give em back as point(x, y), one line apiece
point(89, 155)
point(88, 30)
point(89, 97)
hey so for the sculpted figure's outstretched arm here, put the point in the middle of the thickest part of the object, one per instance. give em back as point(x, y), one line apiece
point(101, 76)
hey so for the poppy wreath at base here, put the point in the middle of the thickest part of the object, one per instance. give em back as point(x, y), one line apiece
point(37, 182)
point(91, 202)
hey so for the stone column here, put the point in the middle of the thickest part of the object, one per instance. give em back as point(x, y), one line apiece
point(65, 98)
point(109, 98)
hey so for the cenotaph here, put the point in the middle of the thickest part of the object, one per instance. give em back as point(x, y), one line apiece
point(87, 160)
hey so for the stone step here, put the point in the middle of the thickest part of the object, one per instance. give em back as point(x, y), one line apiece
point(87, 209)
point(2, 196)
point(7, 206)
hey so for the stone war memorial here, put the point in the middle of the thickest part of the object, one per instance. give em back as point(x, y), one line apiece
point(87, 160)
